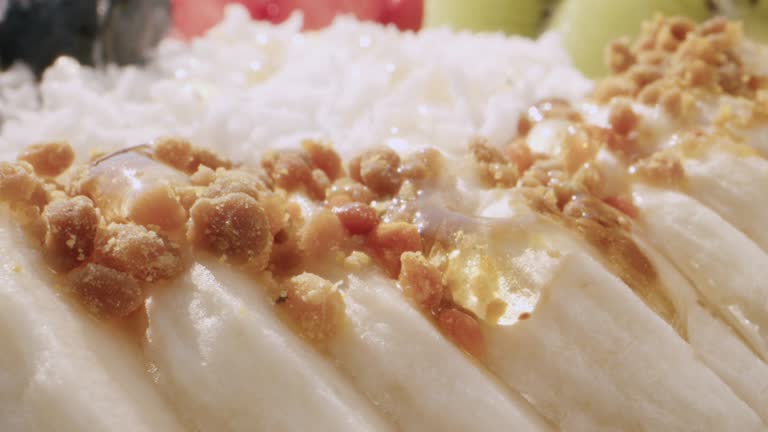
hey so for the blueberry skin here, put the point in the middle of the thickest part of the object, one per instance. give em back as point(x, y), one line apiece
point(132, 28)
point(38, 31)
point(92, 31)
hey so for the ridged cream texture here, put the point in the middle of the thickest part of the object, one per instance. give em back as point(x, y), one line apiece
point(59, 369)
point(216, 356)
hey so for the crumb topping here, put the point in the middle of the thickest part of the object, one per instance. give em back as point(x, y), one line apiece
point(464, 329)
point(378, 170)
point(116, 242)
point(579, 147)
point(421, 281)
point(71, 224)
point(205, 157)
point(182, 155)
point(619, 56)
point(622, 118)
point(547, 109)
point(673, 60)
point(49, 159)
point(314, 304)
point(357, 218)
point(388, 241)
point(130, 186)
point(125, 221)
point(661, 168)
point(106, 293)
point(492, 167)
point(345, 190)
point(235, 226)
point(175, 152)
point(225, 182)
point(422, 165)
point(322, 235)
point(19, 185)
point(519, 154)
point(290, 169)
point(323, 157)
point(204, 176)
point(133, 249)
point(158, 205)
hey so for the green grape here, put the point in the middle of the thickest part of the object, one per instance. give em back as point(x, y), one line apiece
point(587, 26)
point(522, 17)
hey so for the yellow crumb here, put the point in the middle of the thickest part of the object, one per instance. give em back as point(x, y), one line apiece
point(357, 260)
point(340, 257)
point(495, 310)
point(553, 253)
point(537, 241)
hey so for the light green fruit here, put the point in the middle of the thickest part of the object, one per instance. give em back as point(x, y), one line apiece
point(522, 17)
point(754, 15)
point(756, 26)
point(587, 26)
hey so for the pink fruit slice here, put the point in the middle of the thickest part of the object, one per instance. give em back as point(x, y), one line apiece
point(194, 17)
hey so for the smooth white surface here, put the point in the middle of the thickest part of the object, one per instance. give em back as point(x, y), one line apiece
point(725, 266)
point(594, 357)
point(60, 370)
point(735, 188)
point(714, 342)
point(249, 85)
point(414, 374)
point(230, 365)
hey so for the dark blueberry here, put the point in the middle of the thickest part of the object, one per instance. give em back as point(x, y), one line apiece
point(133, 27)
point(120, 31)
point(38, 31)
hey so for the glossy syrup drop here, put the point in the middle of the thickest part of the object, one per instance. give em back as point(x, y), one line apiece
point(130, 186)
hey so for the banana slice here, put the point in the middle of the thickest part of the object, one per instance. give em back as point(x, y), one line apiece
point(578, 397)
point(231, 365)
point(591, 351)
point(714, 342)
point(60, 370)
point(723, 264)
point(414, 374)
point(734, 187)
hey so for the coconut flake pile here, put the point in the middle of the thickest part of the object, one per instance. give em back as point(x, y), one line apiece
point(248, 85)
